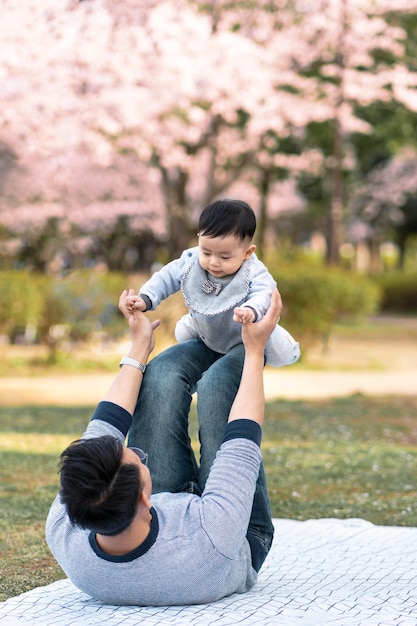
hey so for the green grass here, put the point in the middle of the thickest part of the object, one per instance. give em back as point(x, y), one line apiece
point(349, 457)
point(31, 439)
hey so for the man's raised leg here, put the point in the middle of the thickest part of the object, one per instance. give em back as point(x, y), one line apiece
point(160, 424)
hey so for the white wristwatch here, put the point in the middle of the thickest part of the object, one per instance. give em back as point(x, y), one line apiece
point(127, 360)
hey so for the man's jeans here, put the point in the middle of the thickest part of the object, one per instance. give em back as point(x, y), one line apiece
point(160, 425)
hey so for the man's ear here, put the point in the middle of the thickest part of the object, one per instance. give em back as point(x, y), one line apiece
point(249, 251)
point(144, 500)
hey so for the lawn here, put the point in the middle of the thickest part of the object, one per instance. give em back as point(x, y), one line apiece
point(349, 457)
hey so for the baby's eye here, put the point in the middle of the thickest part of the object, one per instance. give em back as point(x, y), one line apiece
point(226, 258)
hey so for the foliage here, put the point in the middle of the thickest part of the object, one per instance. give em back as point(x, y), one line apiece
point(196, 100)
point(399, 291)
point(83, 303)
point(351, 457)
point(316, 297)
point(385, 201)
point(57, 310)
point(21, 302)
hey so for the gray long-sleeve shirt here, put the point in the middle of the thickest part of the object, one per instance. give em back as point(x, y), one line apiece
point(196, 551)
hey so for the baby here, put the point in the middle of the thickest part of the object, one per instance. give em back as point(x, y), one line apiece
point(223, 283)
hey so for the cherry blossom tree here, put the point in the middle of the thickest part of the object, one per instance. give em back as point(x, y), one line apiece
point(197, 96)
point(356, 56)
point(346, 56)
point(386, 202)
point(158, 84)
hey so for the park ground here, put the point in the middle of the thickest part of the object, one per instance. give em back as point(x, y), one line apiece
point(380, 360)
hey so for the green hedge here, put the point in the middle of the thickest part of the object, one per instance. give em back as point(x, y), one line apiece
point(51, 310)
point(80, 304)
point(399, 292)
point(21, 302)
point(316, 297)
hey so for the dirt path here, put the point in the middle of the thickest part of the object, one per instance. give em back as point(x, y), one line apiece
point(381, 365)
point(285, 383)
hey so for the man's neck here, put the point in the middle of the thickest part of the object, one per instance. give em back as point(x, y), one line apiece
point(129, 539)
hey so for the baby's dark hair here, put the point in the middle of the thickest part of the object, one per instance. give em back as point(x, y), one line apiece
point(227, 217)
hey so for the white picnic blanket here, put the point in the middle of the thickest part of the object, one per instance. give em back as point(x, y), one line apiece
point(326, 571)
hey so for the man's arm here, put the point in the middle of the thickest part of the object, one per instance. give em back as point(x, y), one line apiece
point(227, 499)
point(126, 386)
point(250, 399)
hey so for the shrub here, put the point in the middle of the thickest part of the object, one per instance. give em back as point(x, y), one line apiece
point(50, 310)
point(21, 304)
point(80, 304)
point(399, 292)
point(316, 297)
point(73, 308)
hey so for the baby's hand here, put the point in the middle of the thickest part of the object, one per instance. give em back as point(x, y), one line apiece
point(244, 315)
point(135, 303)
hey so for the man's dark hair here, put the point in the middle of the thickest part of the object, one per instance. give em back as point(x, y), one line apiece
point(227, 217)
point(99, 492)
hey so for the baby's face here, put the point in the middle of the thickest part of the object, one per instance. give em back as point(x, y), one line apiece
point(222, 256)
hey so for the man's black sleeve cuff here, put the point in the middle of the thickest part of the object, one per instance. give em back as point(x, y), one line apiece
point(243, 429)
point(114, 415)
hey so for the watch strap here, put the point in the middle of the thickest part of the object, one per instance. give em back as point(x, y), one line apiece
point(127, 360)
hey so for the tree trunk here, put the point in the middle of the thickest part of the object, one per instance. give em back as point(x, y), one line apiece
point(174, 186)
point(336, 202)
point(263, 213)
point(402, 246)
point(375, 253)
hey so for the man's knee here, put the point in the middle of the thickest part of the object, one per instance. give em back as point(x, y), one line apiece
point(227, 368)
point(165, 368)
point(260, 544)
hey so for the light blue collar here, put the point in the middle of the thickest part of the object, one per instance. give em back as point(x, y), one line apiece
point(207, 295)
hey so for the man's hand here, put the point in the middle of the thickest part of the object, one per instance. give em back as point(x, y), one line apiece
point(141, 328)
point(256, 335)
